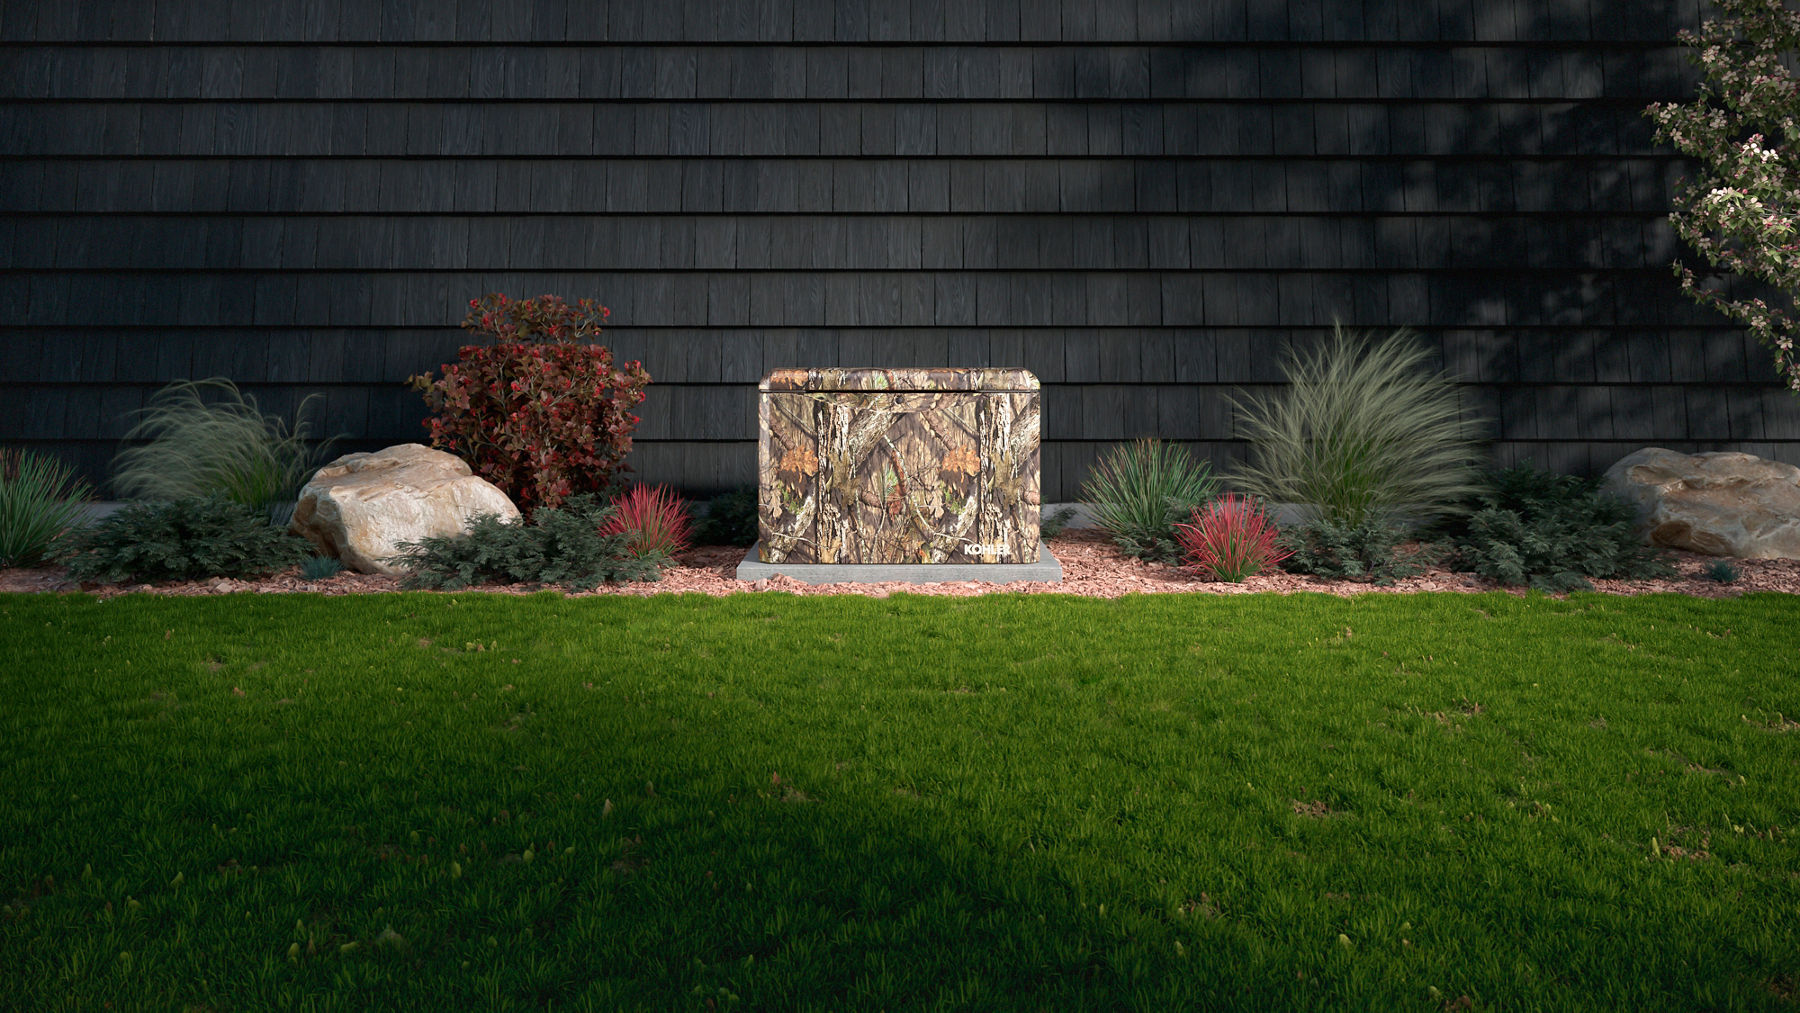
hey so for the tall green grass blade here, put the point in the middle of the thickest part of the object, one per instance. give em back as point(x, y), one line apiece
point(40, 502)
point(1141, 490)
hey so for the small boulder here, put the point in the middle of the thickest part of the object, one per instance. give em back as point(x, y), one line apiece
point(361, 506)
point(1721, 504)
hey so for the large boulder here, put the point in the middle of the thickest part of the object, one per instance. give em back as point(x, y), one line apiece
point(361, 506)
point(1722, 504)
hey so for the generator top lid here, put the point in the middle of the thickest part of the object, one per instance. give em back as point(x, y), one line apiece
point(985, 379)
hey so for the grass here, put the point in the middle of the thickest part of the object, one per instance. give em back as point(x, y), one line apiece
point(1362, 433)
point(1141, 490)
point(763, 802)
point(40, 501)
point(206, 437)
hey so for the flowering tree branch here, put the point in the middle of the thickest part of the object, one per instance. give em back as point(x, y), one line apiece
point(1740, 211)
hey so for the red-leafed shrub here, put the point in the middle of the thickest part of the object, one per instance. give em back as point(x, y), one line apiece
point(1232, 538)
point(539, 412)
point(652, 519)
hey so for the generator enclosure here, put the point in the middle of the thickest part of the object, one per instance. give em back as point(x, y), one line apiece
point(871, 465)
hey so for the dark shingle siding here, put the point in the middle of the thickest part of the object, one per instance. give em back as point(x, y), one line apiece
point(1144, 203)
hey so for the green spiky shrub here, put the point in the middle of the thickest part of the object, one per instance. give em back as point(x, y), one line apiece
point(1142, 490)
point(1721, 571)
point(1363, 432)
point(184, 539)
point(562, 545)
point(730, 519)
point(207, 438)
point(321, 568)
point(40, 503)
point(1553, 532)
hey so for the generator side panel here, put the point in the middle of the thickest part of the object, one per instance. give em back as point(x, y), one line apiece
point(1011, 496)
point(787, 467)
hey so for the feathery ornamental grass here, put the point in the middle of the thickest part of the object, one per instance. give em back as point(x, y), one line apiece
point(40, 502)
point(1363, 433)
point(476, 801)
point(207, 438)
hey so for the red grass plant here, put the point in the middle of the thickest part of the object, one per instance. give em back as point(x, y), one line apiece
point(652, 518)
point(1232, 538)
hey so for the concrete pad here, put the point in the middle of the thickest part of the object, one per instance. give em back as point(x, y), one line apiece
point(1046, 570)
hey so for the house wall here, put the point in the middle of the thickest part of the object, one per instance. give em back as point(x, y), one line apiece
point(1143, 203)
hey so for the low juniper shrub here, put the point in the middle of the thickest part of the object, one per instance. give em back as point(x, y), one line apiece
point(185, 539)
point(1533, 492)
point(320, 568)
point(1721, 571)
point(1368, 551)
point(1231, 539)
point(653, 520)
point(562, 545)
point(730, 519)
point(1554, 532)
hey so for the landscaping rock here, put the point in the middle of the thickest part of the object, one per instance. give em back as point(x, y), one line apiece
point(361, 506)
point(1721, 504)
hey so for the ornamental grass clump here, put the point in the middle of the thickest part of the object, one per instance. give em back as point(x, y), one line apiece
point(321, 568)
point(40, 503)
point(207, 438)
point(538, 411)
point(1231, 539)
point(1363, 433)
point(653, 520)
point(1142, 490)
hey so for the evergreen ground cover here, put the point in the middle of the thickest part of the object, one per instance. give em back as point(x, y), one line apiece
point(477, 801)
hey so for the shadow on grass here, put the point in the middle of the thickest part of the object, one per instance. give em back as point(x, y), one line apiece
point(850, 803)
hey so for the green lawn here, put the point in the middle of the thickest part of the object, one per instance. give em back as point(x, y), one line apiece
point(767, 802)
